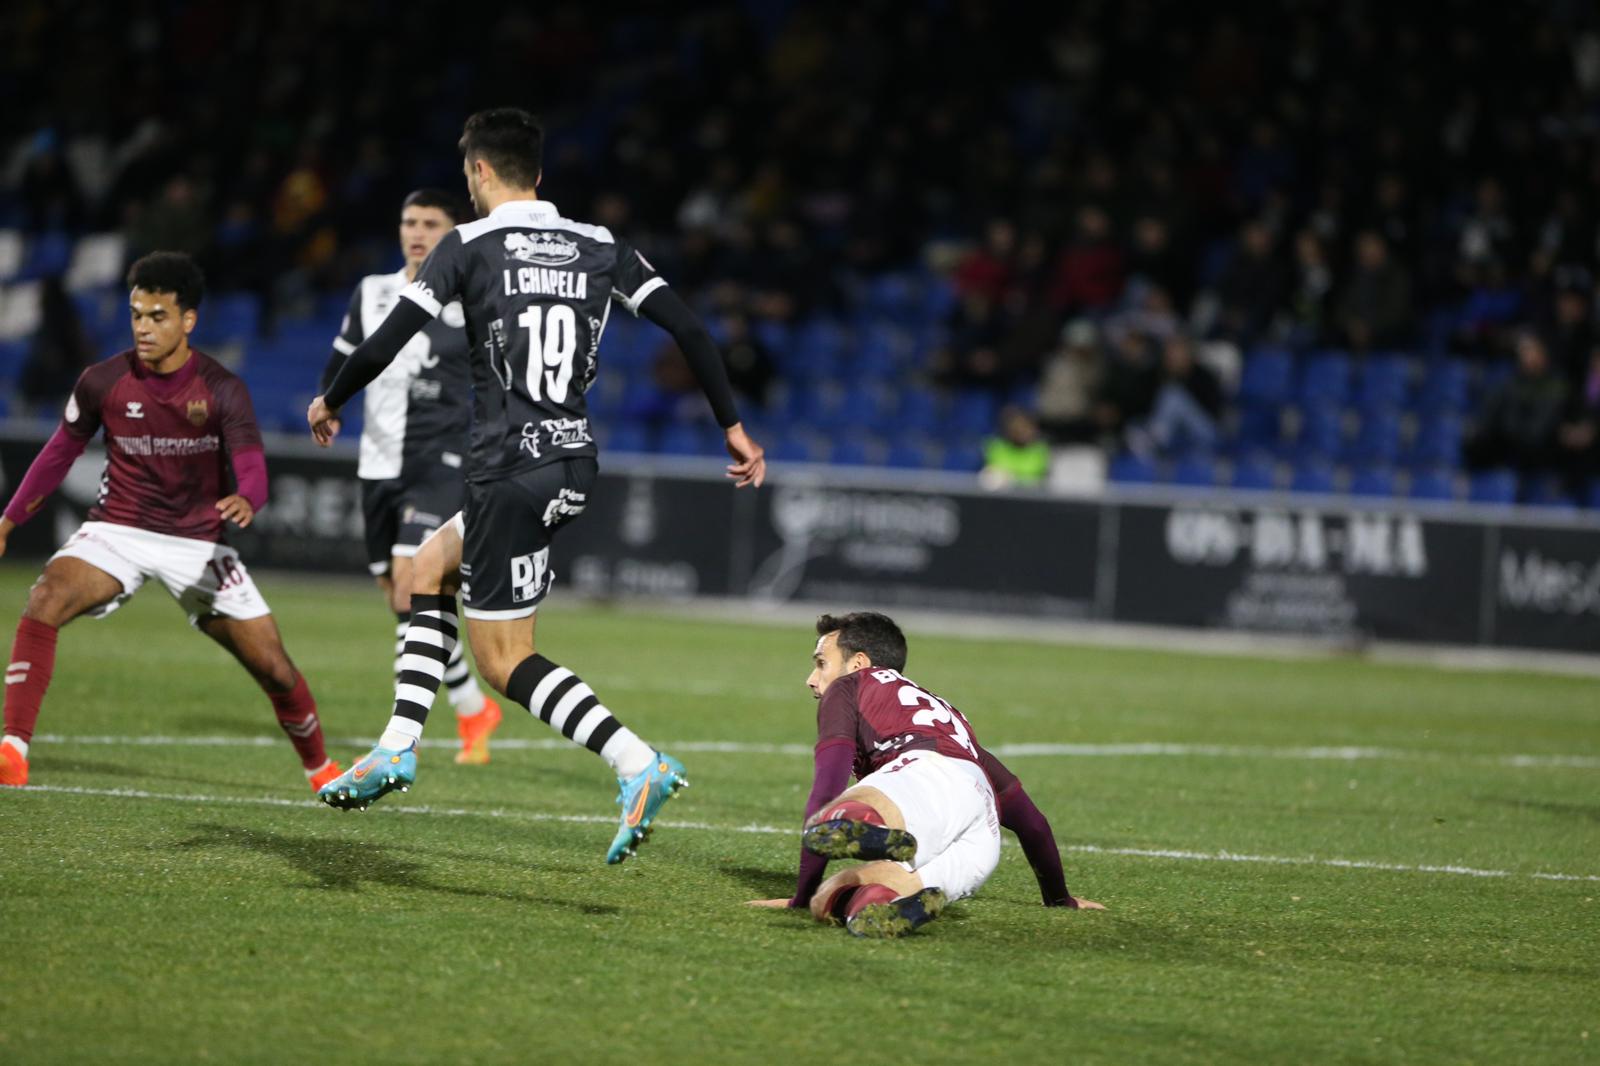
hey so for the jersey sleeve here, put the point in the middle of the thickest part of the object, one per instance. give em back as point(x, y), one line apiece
point(633, 278)
point(351, 330)
point(81, 420)
point(441, 277)
point(240, 433)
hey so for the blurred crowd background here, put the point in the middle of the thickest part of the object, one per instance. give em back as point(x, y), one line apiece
point(1323, 246)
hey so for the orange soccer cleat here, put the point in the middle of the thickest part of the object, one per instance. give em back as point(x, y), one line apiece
point(13, 767)
point(329, 771)
point(474, 730)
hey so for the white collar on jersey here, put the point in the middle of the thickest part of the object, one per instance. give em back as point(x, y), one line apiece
point(538, 207)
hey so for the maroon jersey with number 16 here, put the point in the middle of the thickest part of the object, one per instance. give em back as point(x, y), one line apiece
point(168, 441)
point(884, 714)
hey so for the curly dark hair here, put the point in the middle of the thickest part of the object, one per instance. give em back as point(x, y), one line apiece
point(172, 272)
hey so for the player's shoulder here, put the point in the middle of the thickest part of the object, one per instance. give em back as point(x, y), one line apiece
point(214, 373)
point(373, 284)
point(107, 372)
point(556, 239)
point(878, 677)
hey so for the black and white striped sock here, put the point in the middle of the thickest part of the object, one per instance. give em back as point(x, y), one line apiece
point(465, 695)
point(402, 622)
point(560, 699)
point(429, 640)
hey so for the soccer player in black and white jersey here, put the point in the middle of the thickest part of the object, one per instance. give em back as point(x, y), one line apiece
point(413, 444)
point(537, 289)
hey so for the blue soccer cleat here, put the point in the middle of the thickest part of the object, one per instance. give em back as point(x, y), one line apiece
point(378, 773)
point(641, 796)
point(886, 921)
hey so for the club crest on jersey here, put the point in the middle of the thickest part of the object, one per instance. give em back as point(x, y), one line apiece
point(135, 409)
point(198, 413)
point(546, 249)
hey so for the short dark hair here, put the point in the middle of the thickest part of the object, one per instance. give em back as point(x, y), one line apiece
point(508, 139)
point(869, 632)
point(431, 197)
point(172, 272)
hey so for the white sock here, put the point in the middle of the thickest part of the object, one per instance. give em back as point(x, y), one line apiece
point(400, 734)
point(18, 743)
point(627, 754)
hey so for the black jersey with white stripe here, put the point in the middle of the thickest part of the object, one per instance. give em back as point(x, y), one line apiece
point(416, 413)
point(537, 289)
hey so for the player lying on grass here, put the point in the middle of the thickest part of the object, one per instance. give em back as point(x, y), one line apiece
point(929, 801)
point(413, 442)
point(537, 289)
point(175, 421)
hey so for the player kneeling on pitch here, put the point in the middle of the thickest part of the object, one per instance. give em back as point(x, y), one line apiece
point(929, 801)
point(175, 420)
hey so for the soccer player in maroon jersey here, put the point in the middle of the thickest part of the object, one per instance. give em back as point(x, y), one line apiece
point(174, 421)
point(929, 801)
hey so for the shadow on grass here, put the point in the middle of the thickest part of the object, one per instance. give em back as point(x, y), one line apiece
point(53, 764)
point(351, 866)
point(764, 882)
point(1589, 812)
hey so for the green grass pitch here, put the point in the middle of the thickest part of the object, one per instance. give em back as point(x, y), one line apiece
point(183, 900)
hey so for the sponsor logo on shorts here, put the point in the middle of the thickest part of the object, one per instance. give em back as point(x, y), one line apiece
point(529, 576)
point(568, 504)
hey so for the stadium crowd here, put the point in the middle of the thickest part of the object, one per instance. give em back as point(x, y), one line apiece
point(1275, 249)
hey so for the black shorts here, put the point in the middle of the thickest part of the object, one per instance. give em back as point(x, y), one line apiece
point(505, 552)
point(400, 514)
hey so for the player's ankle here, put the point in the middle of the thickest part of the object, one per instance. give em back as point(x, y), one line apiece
point(855, 811)
point(16, 743)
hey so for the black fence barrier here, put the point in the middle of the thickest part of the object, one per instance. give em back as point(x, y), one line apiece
point(1327, 567)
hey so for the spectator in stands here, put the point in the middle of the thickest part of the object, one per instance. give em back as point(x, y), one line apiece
point(1579, 436)
point(1016, 455)
point(1088, 274)
point(986, 270)
point(1069, 384)
point(1127, 390)
point(1311, 293)
point(1568, 330)
point(61, 349)
point(1375, 309)
point(1251, 286)
point(749, 365)
point(1188, 404)
point(1519, 421)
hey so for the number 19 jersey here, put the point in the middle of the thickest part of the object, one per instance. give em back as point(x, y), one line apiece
point(537, 290)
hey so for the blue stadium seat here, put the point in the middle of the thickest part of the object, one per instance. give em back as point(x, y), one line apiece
point(1195, 470)
point(681, 438)
point(1321, 433)
point(48, 254)
point(1326, 379)
point(1256, 470)
point(1444, 388)
point(918, 411)
point(1312, 476)
point(1373, 481)
point(965, 456)
point(1130, 469)
point(231, 316)
point(1259, 427)
point(628, 436)
point(13, 356)
point(798, 448)
point(972, 412)
point(852, 450)
point(820, 344)
point(1438, 441)
point(907, 454)
point(1378, 439)
point(1385, 381)
point(1267, 378)
point(1594, 493)
point(1433, 484)
point(1493, 486)
point(1548, 490)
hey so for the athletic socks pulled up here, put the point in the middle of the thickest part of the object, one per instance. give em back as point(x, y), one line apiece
point(466, 695)
point(297, 714)
point(560, 699)
point(430, 640)
point(33, 661)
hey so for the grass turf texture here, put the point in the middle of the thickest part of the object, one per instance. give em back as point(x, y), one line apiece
point(489, 929)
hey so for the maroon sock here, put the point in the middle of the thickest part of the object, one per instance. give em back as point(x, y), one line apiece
point(33, 660)
point(867, 895)
point(297, 714)
point(854, 810)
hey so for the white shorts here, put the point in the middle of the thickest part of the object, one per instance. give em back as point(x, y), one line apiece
point(948, 805)
point(204, 577)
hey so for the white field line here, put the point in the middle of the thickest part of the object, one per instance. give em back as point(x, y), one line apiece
point(772, 830)
point(1005, 751)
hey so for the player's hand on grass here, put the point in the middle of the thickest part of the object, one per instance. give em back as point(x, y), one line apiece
point(236, 509)
point(767, 903)
point(6, 526)
point(749, 464)
point(324, 422)
point(1089, 905)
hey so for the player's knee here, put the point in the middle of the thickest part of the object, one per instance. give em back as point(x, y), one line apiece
point(50, 601)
